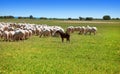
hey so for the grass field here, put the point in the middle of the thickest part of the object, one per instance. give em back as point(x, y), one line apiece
point(99, 54)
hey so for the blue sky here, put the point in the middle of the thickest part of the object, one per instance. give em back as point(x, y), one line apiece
point(60, 8)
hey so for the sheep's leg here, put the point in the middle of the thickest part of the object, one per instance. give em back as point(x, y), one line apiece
point(90, 33)
point(7, 38)
point(79, 32)
point(85, 33)
point(68, 39)
point(62, 39)
point(94, 33)
point(40, 35)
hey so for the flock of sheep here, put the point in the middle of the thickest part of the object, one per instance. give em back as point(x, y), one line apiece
point(23, 31)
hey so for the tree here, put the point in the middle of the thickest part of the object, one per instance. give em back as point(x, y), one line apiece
point(106, 17)
point(43, 18)
point(1, 17)
point(69, 18)
point(89, 18)
point(81, 18)
point(31, 17)
point(20, 17)
point(7, 17)
point(117, 18)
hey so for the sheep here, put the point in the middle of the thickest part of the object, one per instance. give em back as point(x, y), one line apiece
point(6, 35)
point(57, 28)
point(19, 35)
point(11, 35)
point(10, 28)
point(1, 34)
point(70, 29)
point(46, 32)
point(30, 33)
point(38, 31)
point(93, 30)
point(77, 28)
point(25, 34)
point(90, 30)
point(82, 30)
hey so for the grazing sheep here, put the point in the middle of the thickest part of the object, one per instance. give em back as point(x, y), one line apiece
point(1, 34)
point(30, 33)
point(6, 35)
point(10, 28)
point(70, 29)
point(19, 35)
point(82, 30)
point(93, 30)
point(45, 33)
point(57, 28)
point(77, 28)
point(26, 34)
point(37, 31)
point(11, 35)
point(90, 30)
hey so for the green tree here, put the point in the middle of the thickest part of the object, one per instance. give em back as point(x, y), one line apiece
point(89, 18)
point(31, 17)
point(69, 18)
point(81, 18)
point(43, 18)
point(106, 17)
point(117, 18)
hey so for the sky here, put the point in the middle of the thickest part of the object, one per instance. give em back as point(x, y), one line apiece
point(60, 8)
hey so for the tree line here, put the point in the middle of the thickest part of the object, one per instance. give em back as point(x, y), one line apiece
point(105, 17)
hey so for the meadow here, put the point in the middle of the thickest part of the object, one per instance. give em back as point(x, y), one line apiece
point(85, 54)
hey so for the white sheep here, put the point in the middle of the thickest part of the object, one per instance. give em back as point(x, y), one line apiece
point(90, 30)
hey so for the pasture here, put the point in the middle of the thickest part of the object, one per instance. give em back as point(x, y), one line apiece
point(85, 54)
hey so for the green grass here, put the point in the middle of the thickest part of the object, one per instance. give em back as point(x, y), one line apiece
point(99, 54)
